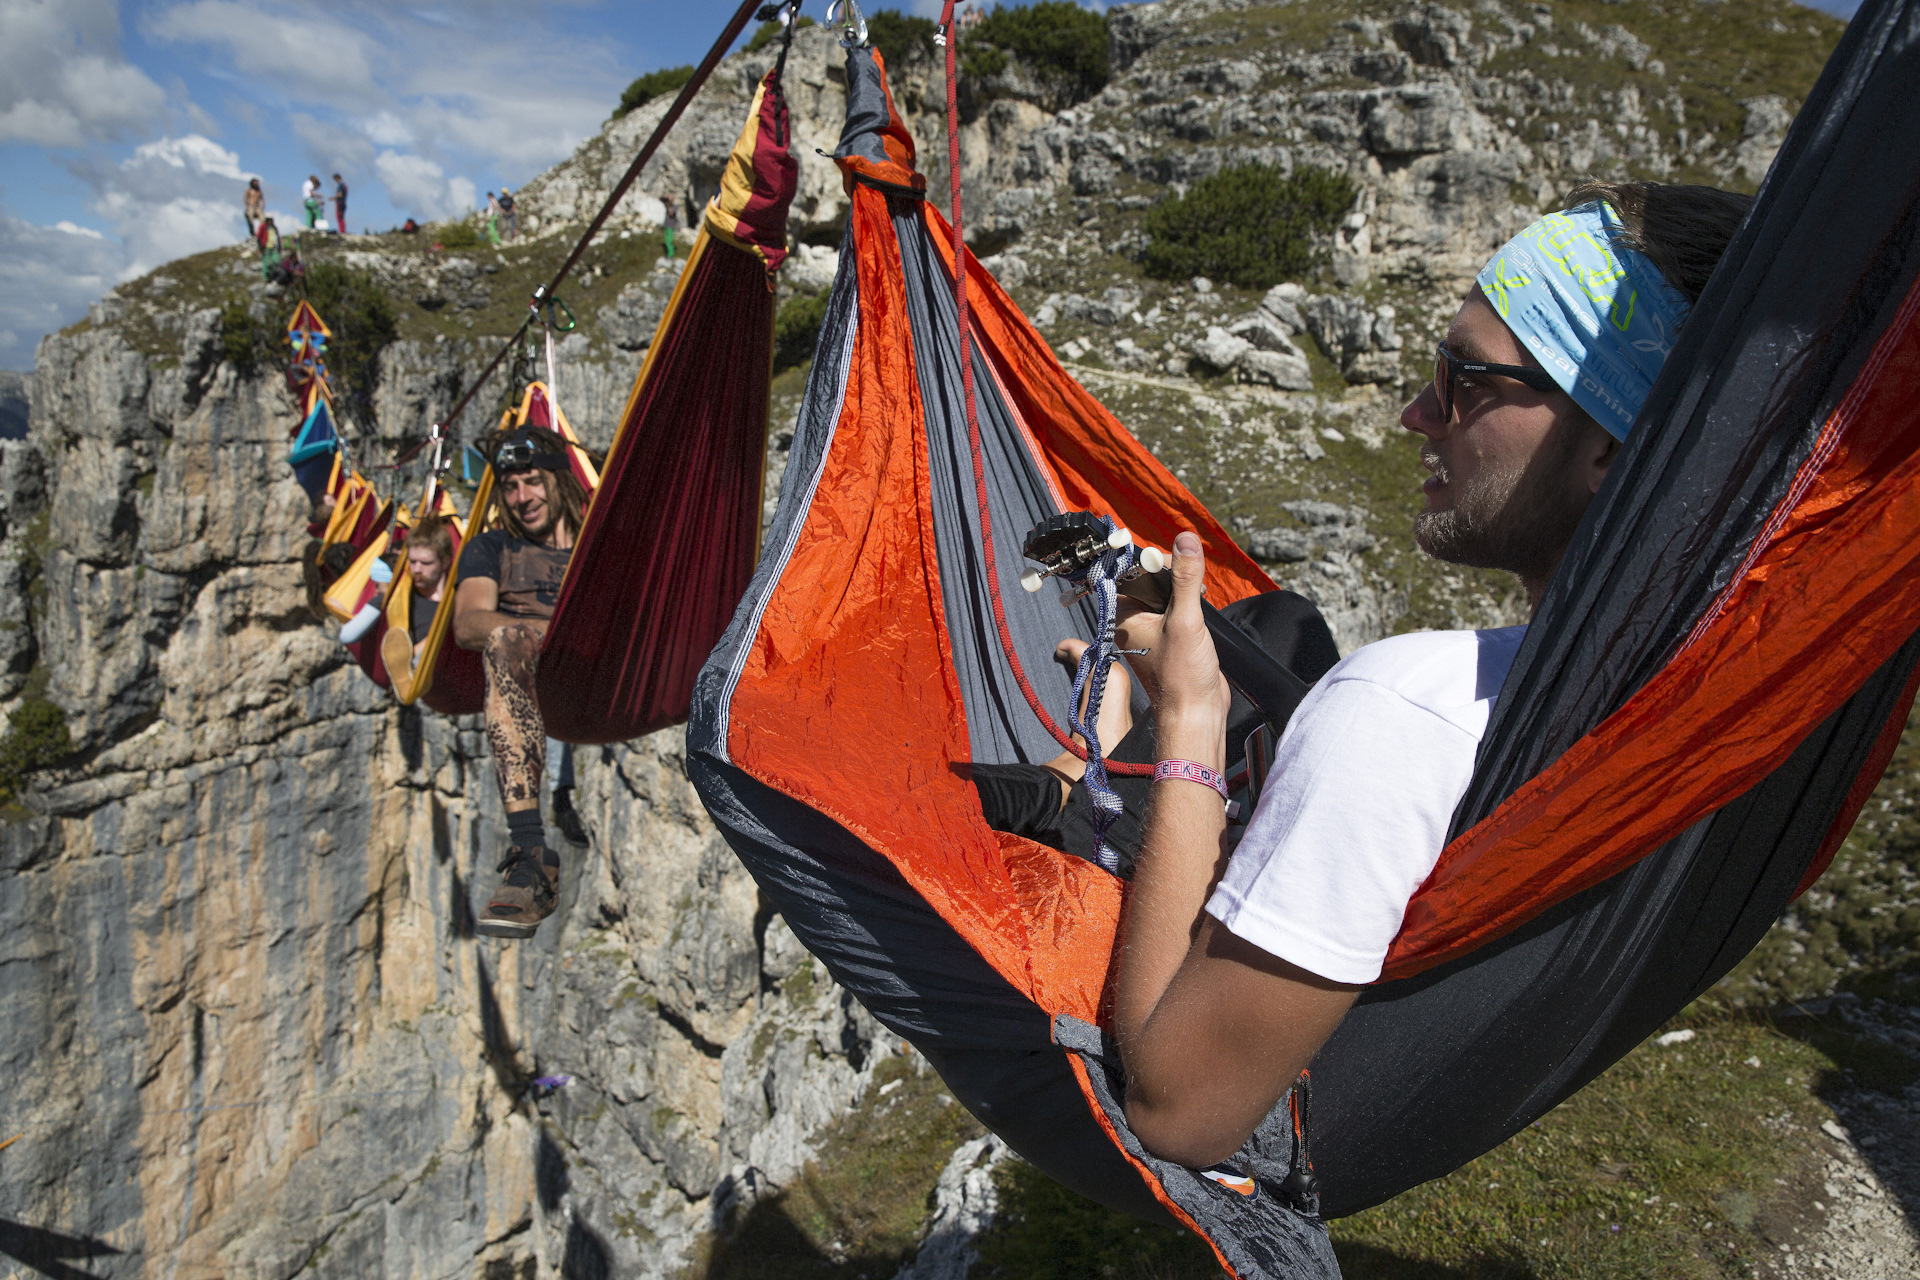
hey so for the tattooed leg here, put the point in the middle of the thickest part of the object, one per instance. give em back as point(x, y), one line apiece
point(514, 730)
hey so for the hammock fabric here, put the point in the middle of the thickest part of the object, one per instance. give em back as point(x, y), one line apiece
point(449, 679)
point(315, 445)
point(1712, 686)
point(455, 684)
point(669, 542)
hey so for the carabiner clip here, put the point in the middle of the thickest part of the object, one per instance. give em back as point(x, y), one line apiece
point(856, 23)
point(551, 319)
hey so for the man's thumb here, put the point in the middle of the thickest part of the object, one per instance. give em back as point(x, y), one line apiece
point(1189, 561)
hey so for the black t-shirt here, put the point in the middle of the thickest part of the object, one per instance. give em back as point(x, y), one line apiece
point(529, 575)
point(506, 204)
point(420, 620)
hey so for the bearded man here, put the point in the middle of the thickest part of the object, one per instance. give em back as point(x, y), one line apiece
point(508, 587)
point(1247, 963)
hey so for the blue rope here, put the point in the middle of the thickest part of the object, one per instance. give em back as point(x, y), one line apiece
point(1101, 581)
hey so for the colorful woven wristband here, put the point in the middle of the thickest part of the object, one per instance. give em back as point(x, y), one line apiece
point(1190, 771)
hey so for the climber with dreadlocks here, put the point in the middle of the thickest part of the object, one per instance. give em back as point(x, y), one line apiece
point(1542, 373)
point(509, 583)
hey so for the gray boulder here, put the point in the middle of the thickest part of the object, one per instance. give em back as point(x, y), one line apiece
point(1285, 370)
point(1221, 349)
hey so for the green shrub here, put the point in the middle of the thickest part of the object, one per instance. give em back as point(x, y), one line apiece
point(652, 85)
point(767, 34)
point(363, 321)
point(1250, 224)
point(899, 37)
point(458, 235)
point(796, 329)
point(246, 343)
point(1065, 45)
point(36, 737)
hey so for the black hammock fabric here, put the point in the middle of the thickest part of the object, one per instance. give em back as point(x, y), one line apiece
point(1802, 360)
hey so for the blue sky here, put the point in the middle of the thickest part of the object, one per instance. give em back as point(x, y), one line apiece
point(128, 130)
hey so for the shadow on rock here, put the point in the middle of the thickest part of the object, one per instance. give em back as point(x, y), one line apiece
point(49, 1252)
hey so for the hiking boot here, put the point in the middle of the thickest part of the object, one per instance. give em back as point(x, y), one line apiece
point(567, 818)
point(529, 890)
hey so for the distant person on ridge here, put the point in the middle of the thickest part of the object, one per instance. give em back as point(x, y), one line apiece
point(509, 582)
point(493, 220)
point(310, 198)
point(672, 221)
point(339, 204)
point(256, 207)
point(506, 211)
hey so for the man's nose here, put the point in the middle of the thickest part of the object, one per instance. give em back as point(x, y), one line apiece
point(1422, 414)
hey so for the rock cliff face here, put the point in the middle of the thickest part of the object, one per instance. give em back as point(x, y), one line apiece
point(248, 1029)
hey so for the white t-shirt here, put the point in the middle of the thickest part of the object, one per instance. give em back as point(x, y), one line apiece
point(1357, 805)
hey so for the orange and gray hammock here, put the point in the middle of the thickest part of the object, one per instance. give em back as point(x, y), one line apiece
point(670, 536)
point(1710, 689)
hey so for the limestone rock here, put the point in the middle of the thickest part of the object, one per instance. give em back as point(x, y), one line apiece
point(1221, 349)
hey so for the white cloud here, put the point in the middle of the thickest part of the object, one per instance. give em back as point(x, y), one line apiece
point(172, 196)
point(304, 52)
point(48, 275)
point(417, 184)
point(63, 82)
point(454, 86)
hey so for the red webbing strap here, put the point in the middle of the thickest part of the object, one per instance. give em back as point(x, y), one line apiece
point(960, 257)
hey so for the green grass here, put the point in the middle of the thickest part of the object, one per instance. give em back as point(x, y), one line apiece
point(858, 1207)
point(1686, 1161)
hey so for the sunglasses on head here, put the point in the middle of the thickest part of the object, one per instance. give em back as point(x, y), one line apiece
point(1447, 367)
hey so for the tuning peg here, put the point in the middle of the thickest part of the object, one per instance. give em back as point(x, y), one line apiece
point(1119, 538)
point(1152, 559)
point(1031, 580)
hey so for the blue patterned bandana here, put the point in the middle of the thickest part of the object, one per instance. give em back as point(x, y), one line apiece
point(1598, 316)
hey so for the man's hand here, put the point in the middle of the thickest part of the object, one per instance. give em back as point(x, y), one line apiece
point(1180, 671)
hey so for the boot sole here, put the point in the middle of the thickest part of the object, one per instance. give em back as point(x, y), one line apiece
point(504, 929)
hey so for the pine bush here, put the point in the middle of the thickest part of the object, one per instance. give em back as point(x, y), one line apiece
point(654, 84)
point(1249, 225)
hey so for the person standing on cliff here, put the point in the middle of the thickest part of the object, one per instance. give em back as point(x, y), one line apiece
point(256, 206)
point(672, 220)
point(509, 582)
point(310, 200)
point(506, 211)
point(339, 204)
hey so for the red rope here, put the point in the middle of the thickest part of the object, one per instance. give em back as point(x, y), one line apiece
point(960, 256)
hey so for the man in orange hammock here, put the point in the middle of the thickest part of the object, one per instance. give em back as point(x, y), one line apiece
point(508, 586)
point(1247, 962)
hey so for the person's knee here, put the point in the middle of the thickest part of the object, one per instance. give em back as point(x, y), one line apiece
point(512, 652)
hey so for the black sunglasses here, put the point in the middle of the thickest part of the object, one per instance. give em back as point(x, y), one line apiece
point(1447, 366)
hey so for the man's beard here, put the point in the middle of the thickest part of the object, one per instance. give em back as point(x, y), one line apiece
point(1520, 521)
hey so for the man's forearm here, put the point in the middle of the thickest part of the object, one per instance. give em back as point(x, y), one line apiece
point(1180, 857)
point(472, 627)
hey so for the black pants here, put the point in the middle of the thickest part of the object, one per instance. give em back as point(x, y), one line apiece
point(1024, 799)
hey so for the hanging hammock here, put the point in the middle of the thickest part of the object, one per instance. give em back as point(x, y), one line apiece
point(454, 683)
point(670, 539)
point(1656, 785)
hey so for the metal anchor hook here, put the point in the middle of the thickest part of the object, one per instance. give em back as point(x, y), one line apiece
point(855, 36)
